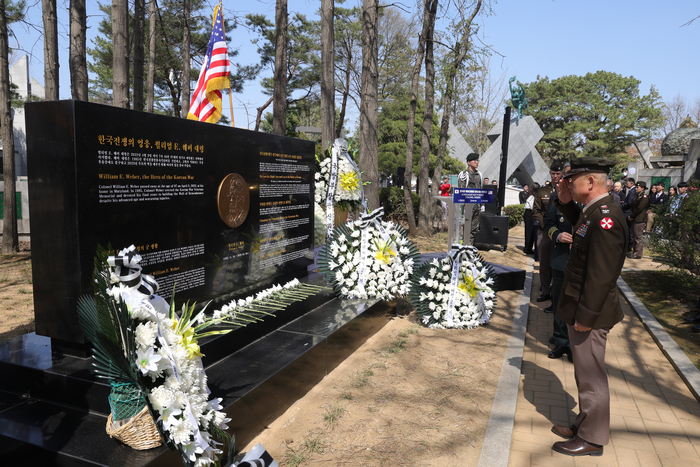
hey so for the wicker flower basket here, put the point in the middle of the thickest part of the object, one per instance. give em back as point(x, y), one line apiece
point(138, 432)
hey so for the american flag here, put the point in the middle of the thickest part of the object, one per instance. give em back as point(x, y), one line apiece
point(206, 100)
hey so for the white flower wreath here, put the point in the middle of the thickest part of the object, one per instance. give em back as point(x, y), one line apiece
point(472, 292)
point(387, 266)
point(347, 188)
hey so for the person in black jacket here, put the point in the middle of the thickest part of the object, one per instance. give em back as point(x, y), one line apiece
point(559, 231)
point(627, 206)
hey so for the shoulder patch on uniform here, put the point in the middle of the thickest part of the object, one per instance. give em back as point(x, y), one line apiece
point(606, 223)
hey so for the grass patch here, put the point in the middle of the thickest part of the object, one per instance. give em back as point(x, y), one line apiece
point(346, 395)
point(669, 296)
point(397, 345)
point(362, 377)
point(295, 457)
point(333, 413)
point(24, 291)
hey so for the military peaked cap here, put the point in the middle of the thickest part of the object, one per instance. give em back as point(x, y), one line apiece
point(589, 164)
point(642, 184)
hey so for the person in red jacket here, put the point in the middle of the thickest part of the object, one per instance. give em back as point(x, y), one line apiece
point(445, 187)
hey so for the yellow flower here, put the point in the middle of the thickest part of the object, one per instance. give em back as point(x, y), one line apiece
point(349, 181)
point(190, 342)
point(468, 285)
point(385, 251)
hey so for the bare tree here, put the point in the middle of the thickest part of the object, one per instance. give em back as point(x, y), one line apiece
point(279, 97)
point(410, 133)
point(481, 103)
point(139, 21)
point(327, 75)
point(369, 103)
point(120, 54)
point(77, 58)
point(151, 80)
point(10, 241)
point(186, 61)
point(677, 110)
point(458, 54)
point(48, 11)
point(425, 227)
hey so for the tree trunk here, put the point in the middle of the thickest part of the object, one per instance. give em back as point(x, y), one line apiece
point(139, 20)
point(279, 97)
point(344, 103)
point(369, 104)
point(120, 54)
point(48, 10)
point(410, 132)
point(151, 80)
point(461, 49)
point(444, 129)
point(327, 74)
point(425, 225)
point(10, 243)
point(77, 57)
point(186, 61)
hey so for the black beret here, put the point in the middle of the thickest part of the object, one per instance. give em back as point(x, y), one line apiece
point(472, 157)
point(589, 164)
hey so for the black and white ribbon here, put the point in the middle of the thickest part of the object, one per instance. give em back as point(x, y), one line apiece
point(128, 270)
point(257, 457)
point(458, 253)
point(367, 220)
point(332, 182)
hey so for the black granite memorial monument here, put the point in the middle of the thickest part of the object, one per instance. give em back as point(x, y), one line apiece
point(213, 210)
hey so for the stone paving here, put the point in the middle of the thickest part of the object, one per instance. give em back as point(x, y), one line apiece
point(655, 419)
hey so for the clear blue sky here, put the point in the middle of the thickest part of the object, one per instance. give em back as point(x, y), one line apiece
point(642, 38)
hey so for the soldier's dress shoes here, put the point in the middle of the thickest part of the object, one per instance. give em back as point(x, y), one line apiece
point(549, 309)
point(544, 297)
point(565, 432)
point(557, 352)
point(578, 447)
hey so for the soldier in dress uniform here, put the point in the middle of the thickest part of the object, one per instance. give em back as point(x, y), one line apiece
point(539, 211)
point(590, 303)
point(472, 178)
point(638, 219)
point(559, 232)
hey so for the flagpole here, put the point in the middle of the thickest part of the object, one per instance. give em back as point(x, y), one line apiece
point(230, 100)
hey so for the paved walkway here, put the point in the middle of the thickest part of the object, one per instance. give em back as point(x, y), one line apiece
point(655, 419)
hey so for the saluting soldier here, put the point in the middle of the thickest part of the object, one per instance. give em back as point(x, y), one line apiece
point(539, 211)
point(638, 218)
point(472, 178)
point(590, 302)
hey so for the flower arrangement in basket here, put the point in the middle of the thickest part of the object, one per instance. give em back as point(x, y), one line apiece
point(457, 291)
point(151, 356)
point(368, 258)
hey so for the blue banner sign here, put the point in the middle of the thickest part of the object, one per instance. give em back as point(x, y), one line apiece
point(473, 195)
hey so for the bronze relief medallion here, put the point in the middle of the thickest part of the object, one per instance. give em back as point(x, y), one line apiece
point(233, 200)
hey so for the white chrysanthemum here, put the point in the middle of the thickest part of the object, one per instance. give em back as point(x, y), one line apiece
point(182, 432)
point(146, 333)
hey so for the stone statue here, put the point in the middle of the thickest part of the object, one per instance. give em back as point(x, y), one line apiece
point(517, 96)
